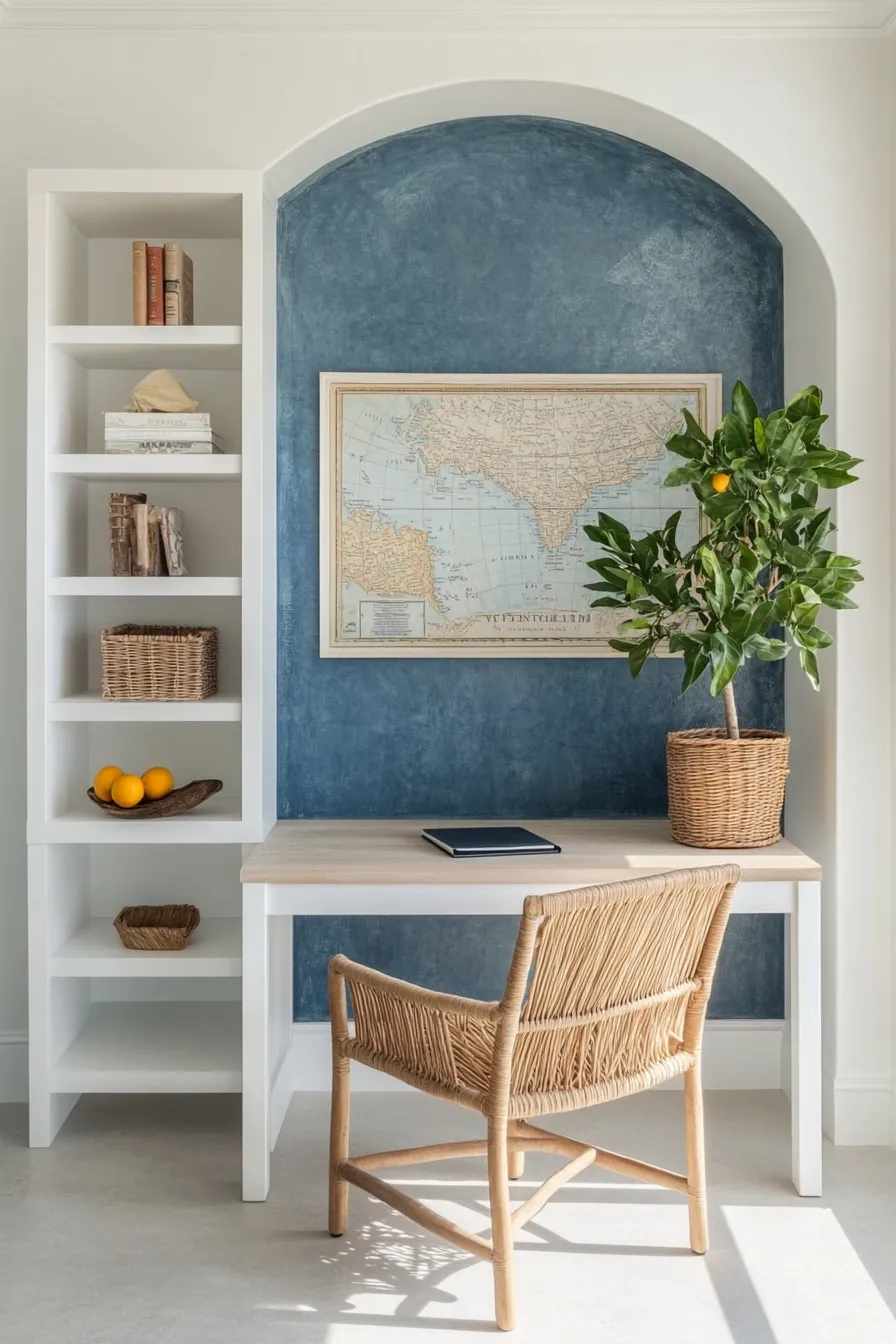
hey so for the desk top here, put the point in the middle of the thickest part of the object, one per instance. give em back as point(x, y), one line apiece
point(390, 853)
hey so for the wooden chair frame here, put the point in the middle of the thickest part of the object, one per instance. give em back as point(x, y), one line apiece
point(470, 1052)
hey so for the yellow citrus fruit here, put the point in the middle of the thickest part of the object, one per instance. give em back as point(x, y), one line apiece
point(158, 782)
point(105, 778)
point(721, 482)
point(127, 790)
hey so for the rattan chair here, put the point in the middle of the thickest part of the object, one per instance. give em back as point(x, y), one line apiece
point(606, 996)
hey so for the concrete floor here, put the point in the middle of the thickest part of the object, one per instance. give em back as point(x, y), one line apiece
point(130, 1228)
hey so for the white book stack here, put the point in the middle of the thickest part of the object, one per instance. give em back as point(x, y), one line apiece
point(160, 432)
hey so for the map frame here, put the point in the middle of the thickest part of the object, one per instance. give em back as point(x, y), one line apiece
point(334, 386)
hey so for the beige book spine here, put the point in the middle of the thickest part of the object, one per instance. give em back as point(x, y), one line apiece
point(139, 283)
point(178, 287)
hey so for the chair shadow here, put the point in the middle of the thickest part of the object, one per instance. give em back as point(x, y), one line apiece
point(389, 1256)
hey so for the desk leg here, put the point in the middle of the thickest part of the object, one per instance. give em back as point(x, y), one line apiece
point(256, 1045)
point(805, 1038)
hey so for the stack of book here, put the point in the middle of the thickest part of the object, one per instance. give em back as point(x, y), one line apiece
point(160, 432)
point(163, 286)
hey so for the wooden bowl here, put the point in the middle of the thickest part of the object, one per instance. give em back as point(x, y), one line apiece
point(179, 800)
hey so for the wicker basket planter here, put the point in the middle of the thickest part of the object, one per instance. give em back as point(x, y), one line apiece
point(159, 662)
point(726, 794)
point(156, 928)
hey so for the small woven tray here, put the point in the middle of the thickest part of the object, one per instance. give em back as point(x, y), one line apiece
point(179, 800)
point(156, 928)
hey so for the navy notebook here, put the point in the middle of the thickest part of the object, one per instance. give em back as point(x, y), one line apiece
point(476, 842)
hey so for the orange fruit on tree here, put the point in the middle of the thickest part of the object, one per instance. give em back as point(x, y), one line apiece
point(127, 790)
point(720, 482)
point(103, 781)
point(158, 782)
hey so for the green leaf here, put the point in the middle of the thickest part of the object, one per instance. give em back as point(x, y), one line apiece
point(759, 437)
point(839, 602)
point(734, 437)
point(743, 405)
point(727, 654)
point(636, 623)
point(670, 536)
point(809, 664)
point(685, 446)
point(686, 475)
point(791, 443)
point(694, 430)
point(696, 661)
point(722, 506)
point(805, 403)
point(618, 531)
point(832, 480)
point(768, 650)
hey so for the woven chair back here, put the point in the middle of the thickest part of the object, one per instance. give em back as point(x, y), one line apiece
point(609, 982)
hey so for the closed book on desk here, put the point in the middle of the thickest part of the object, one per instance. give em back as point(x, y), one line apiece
point(477, 842)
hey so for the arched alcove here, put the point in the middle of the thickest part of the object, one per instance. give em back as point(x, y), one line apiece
point(808, 334)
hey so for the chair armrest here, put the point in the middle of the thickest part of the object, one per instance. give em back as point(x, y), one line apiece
point(404, 991)
point(442, 1037)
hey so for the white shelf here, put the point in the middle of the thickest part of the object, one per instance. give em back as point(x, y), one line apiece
point(215, 822)
point(90, 707)
point(96, 950)
point(154, 1047)
point(97, 347)
point(89, 586)
point(159, 466)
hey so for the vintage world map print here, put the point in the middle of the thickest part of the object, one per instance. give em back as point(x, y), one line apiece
point(452, 507)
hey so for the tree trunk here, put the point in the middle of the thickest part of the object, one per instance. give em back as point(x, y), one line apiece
point(731, 712)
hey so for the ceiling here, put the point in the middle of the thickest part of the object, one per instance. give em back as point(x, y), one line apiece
point(854, 17)
point(857, 18)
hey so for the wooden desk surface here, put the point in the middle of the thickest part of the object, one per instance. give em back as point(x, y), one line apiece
point(372, 853)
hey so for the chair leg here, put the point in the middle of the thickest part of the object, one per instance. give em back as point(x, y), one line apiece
point(339, 1117)
point(696, 1155)
point(516, 1158)
point(502, 1233)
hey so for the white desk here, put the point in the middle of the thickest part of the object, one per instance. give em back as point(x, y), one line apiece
point(384, 868)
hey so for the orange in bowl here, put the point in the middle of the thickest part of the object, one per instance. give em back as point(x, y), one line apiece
point(105, 778)
point(127, 791)
point(158, 782)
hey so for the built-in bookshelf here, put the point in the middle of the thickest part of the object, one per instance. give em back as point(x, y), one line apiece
point(103, 1018)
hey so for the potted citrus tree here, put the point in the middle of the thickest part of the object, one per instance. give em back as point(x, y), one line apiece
point(751, 587)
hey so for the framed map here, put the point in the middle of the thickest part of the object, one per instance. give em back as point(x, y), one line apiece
point(452, 506)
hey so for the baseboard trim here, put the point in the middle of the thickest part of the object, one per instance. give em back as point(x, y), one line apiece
point(13, 1066)
point(862, 1111)
point(739, 1054)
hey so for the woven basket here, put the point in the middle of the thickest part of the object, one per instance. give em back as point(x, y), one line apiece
point(156, 928)
point(159, 662)
point(725, 794)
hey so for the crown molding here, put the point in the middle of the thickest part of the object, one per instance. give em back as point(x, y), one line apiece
point(863, 18)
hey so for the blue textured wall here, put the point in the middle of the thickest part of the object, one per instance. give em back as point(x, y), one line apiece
point(493, 245)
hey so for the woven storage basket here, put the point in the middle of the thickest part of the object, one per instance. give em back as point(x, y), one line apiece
point(725, 794)
point(156, 928)
point(159, 662)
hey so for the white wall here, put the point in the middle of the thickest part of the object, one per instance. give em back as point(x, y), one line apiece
point(797, 126)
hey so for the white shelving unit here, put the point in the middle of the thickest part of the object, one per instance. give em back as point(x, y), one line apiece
point(104, 1019)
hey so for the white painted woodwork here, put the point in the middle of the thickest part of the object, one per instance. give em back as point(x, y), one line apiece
point(153, 1047)
point(88, 707)
point(865, 18)
point(99, 347)
point(151, 467)
point(95, 949)
point(91, 586)
point(104, 1018)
